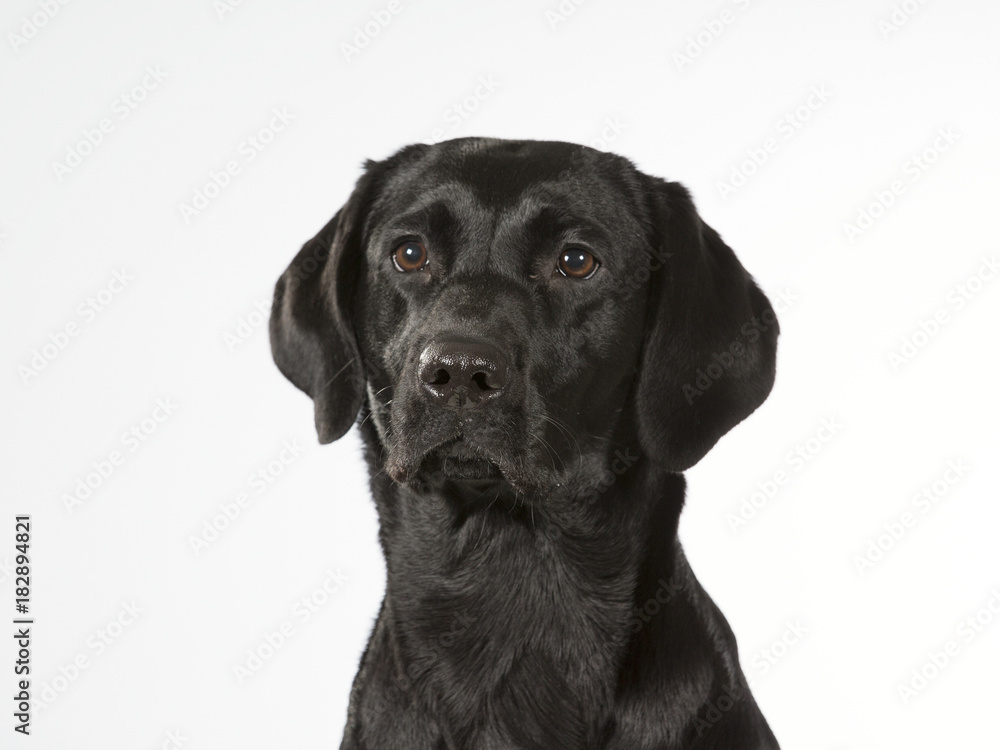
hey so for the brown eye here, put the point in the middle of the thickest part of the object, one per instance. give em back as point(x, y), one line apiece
point(410, 256)
point(577, 264)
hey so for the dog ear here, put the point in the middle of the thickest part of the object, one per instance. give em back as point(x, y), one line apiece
point(312, 327)
point(711, 337)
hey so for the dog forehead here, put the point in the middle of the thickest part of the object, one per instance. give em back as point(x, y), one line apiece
point(500, 174)
point(496, 173)
point(491, 182)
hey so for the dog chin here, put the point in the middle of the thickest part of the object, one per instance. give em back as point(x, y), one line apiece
point(457, 459)
point(438, 464)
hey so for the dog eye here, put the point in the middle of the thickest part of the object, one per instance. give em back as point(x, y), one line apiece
point(410, 256)
point(576, 263)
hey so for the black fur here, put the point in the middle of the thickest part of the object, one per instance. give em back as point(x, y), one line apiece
point(537, 595)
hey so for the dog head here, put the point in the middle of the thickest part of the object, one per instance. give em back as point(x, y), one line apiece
point(516, 310)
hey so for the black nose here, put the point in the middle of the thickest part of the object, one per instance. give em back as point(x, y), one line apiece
point(462, 373)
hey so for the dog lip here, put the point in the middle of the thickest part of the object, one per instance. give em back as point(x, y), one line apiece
point(453, 457)
point(461, 468)
point(403, 468)
point(458, 458)
point(456, 455)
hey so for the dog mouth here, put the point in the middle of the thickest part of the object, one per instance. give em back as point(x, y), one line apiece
point(426, 449)
point(454, 458)
point(459, 459)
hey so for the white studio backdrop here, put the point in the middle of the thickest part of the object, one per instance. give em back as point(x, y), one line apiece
point(205, 575)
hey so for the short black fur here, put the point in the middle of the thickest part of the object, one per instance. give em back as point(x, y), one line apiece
point(537, 594)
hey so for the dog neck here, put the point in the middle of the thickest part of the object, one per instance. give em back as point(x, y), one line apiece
point(498, 604)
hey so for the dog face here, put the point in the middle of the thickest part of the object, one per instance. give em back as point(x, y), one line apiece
point(518, 310)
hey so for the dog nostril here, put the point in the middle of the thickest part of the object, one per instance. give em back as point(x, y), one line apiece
point(480, 379)
point(461, 373)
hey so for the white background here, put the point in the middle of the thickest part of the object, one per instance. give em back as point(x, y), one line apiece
point(169, 334)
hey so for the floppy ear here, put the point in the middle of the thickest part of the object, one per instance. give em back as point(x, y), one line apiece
point(312, 327)
point(711, 338)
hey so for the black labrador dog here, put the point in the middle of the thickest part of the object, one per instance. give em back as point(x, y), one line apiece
point(536, 339)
